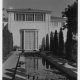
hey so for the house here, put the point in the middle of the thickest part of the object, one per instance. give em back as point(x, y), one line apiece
point(5, 21)
point(30, 26)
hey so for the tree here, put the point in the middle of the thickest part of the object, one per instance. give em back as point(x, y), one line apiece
point(71, 13)
point(55, 44)
point(7, 41)
point(68, 44)
point(74, 51)
point(61, 44)
point(47, 42)
point(51, 41)
point(43, 44)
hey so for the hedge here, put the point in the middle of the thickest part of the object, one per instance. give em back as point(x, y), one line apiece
point(7, 41)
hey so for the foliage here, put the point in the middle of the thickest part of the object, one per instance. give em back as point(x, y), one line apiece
point(61, 44)
point(71, 13)
point(43, 44)
point(74, 51)
point(47, 42)
point(7, 41)
point(55, 44)
point(51, 41)
point(68, 44)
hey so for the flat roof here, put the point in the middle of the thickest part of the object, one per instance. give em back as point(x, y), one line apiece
point(53, 18)
point(28, 10)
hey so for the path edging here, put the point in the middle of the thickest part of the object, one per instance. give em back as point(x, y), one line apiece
point(60, 66)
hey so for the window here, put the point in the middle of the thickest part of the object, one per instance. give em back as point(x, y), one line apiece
point(63, 23)
point(59, 24)
point(29, 17)
point(20, 17)
point(38, 17)
point(55, 23)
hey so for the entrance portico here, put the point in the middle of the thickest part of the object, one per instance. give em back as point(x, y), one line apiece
point(29, 39)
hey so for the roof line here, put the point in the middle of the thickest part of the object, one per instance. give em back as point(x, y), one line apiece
point(27, 10)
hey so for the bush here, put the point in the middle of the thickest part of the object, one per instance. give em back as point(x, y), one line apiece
point(55, 44)
point(74, 51)
point(47, 42)
point(61, 44)
point(51, 41)
point(7, 41)
point(43, 44)
point(68, 45)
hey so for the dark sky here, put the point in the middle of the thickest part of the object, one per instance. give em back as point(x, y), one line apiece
point(56, 6)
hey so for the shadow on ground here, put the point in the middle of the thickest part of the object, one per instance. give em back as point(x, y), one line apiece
point(5, 78)
point(10, 72)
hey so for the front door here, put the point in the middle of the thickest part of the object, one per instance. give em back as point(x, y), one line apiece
point(30, 40)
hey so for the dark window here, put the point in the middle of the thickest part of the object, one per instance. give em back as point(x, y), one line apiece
point(29, 17)
point(38, 17)
point(55, 23)
point(20, 17)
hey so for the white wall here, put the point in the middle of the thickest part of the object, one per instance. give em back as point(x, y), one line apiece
point(15, 26)
point(53, 28)
point(44, 27)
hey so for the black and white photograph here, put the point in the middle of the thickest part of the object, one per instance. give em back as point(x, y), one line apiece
point(40, 40)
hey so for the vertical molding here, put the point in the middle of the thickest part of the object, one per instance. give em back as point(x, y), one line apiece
point(20, 40)
point(25, 17)
point(34, 17)
point(43, 17)
point(24, 39)
point(35, 39)
point(10, 22)
point(14, 16)
point(38, 40)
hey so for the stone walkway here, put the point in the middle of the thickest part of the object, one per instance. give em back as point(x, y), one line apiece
point(20, 73)
point(9, 66)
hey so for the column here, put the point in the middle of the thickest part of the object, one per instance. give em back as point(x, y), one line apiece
point(34, 17)
point(25, 17)
point(24, 39)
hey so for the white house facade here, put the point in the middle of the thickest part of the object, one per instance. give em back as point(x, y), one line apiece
point(30, 26)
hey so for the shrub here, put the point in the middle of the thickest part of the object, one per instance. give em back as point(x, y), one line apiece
point(47, 42)
point(7, 41)
point(61, 44)
point(68, 45)
point(55, 44)
point(51, 41)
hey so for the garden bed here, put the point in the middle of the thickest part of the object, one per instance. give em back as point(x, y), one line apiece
point(57, 58)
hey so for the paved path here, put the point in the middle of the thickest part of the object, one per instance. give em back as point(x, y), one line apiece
point(9, 65)
point(20, 73)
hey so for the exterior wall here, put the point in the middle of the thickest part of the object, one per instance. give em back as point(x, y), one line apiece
point(41, 26)
point(5, 23)
point(53, 28)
